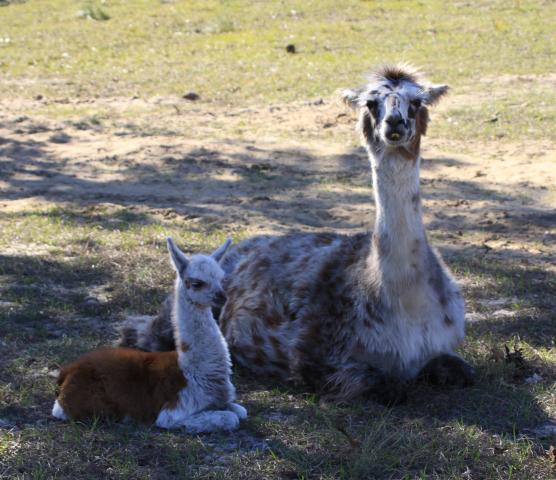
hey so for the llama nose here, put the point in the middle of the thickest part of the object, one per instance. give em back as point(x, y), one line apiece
point(395, 125)
point(394, 121)
point(219, 298)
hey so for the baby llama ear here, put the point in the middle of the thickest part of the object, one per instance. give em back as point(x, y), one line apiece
point(434, 93)
point(221, 250)
point(177, 257)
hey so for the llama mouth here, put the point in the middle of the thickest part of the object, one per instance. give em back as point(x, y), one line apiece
point(395, 143)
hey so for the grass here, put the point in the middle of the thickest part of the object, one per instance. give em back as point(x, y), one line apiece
point(73, 266)
point(234, 52)
point(68, 254)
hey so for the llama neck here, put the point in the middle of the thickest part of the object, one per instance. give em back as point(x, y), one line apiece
point(199, 342)
point(399, 239)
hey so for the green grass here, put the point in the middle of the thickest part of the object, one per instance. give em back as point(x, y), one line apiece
point(66, 251)
point(217, 47)
point(234, 52)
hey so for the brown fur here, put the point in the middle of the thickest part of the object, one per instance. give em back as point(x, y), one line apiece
point(257, 339)
point(120, 382)
point(396, 73)
point(421, 123)
point(282, 358)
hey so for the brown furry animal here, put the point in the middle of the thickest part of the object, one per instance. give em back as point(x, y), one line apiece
point(121, 382)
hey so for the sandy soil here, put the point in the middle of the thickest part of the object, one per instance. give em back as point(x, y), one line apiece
point(271, 169)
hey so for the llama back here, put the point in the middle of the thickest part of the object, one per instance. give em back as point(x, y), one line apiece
point(151, 334)
point(278, 295)
point(263, 276)
point(310, 308)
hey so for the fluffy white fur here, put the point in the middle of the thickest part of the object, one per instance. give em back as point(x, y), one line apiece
point(58, 411)
point(203, 353)
point(416, 330)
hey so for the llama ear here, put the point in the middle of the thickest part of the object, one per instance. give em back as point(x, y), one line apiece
point(221, 250)
point(434, 93)
point(177, 257)
point(350, 97)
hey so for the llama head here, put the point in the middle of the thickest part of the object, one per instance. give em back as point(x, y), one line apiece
point(393, 107)
point(201, 275)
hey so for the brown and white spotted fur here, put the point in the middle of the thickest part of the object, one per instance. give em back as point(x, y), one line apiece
point(353, 314)
point(189, 388)
point(350, 315)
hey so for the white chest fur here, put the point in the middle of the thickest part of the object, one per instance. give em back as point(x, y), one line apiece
point(417, 329)
point(418, 324)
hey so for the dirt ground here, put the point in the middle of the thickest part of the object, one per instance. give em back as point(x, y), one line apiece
point(297, 168)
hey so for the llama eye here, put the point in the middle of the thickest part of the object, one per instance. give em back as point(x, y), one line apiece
point(197, 284)
point(416, 103)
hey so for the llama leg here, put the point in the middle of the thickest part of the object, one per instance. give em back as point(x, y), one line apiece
point(211, 421)
point(355, 380)
point(58, 411)
point(238, 410)
point(170, 418)
point(447, 369)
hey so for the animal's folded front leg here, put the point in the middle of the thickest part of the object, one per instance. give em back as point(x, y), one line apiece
point(447, 369)
point(238, 410)
point(357, 380)
point(211, 421)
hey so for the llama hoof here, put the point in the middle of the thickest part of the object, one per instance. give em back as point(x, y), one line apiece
point(448, 370)
point(238, 410)
point(225, 420)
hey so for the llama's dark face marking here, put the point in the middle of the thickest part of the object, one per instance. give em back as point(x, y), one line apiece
point(393, 108)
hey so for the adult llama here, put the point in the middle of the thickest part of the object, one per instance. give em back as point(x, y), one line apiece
point(360, 314)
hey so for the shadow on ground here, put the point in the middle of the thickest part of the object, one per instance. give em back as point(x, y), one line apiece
point(291, 189)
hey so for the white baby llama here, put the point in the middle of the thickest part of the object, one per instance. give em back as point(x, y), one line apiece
point(188, 388)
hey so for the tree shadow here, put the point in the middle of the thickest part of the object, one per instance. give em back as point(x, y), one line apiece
point(201, 182)
point(89, 216)
point(435, 162)
point(287, 187)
